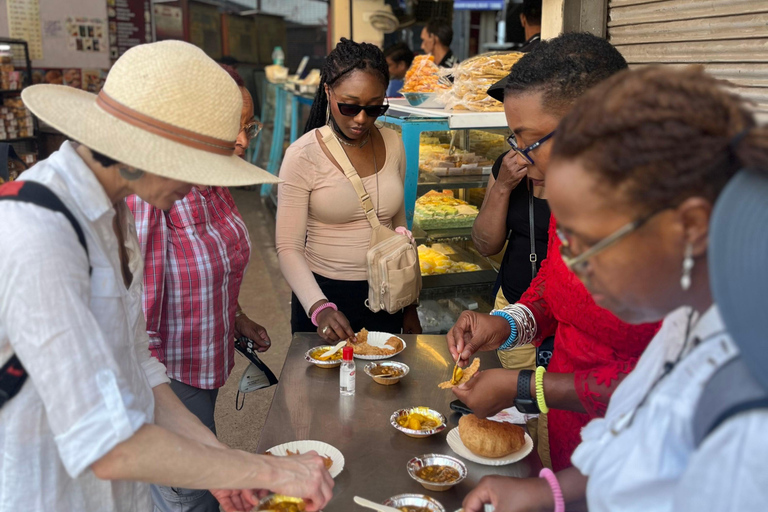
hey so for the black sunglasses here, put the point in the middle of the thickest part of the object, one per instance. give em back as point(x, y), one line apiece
point(351, 110)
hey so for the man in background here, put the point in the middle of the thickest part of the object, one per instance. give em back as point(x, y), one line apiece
point(436, 39)
point(399, 58)
point(530, 19)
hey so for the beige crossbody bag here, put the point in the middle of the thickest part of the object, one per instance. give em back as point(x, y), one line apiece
point(394, 275)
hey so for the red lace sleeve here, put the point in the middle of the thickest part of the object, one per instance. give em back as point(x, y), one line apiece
point(595, 386)
point(534, 298)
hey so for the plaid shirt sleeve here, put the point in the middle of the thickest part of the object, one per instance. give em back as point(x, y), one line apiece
point(153, 235)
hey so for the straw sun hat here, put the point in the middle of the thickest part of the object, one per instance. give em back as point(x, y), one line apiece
point(166, 108)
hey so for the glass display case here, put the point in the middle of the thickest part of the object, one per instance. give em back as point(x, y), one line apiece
point(449, 156)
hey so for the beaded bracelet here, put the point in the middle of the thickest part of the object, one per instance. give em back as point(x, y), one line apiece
point(320, 308)
point(557, 493)
point(512, 328)
point(540, 371)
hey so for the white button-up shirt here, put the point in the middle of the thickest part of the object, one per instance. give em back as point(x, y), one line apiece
point(649, 462)
point(83, 342)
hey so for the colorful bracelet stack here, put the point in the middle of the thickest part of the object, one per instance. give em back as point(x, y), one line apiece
point(557, 493)
point(512, 328)
point(540, 371)
point(322, 307)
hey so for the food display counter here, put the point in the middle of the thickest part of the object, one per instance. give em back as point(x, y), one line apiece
point(449, 156)
point(307, 406)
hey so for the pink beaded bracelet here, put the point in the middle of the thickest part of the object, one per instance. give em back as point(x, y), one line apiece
point(557, 493)
point(320, 308)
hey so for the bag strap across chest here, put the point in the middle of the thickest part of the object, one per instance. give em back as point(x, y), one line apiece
point(338, 153)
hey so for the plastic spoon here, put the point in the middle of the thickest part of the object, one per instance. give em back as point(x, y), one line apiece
point(329, 353)
point(373, 505)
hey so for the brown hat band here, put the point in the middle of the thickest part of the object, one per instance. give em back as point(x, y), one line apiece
point(168, 131)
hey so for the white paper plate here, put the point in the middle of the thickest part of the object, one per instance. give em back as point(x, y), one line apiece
point(379, 339)
point(320, 447)
point(454, 441)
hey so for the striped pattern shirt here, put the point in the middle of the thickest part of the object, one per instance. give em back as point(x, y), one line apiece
point(195, 255)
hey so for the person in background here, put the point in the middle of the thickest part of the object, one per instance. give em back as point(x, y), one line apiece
point(436, 38)
point(195, 255)
point(322, 232)
point(513, 202)
point(96, 421)
point(530, 19)
point(593, 350)
point(399, 58)
point(659, 181)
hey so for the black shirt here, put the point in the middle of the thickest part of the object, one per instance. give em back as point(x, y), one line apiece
point(516, 273)
point(449, 60)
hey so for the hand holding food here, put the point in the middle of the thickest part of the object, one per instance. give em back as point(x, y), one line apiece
point(460, 376)
point(303, 476)
point(475, 331)
point(489, 392)
point(333, 326)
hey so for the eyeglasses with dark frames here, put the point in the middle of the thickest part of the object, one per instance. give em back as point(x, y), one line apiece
point(351, 109)
point(578, 264)
point(525, 152)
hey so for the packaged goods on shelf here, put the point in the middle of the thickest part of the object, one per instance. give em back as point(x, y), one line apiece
point(474, 76)
point(423, 76)
point(15, 120)
point(439, 160)
point(436, 262)
point(440, 210)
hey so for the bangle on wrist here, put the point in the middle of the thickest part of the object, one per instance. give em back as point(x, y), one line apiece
point(322, 307)
point(512, 328)
point(540, 371)
point(557, 493)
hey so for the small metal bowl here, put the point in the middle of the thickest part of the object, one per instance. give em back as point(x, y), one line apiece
point(273, 499)
point(418, 433)
point(435, 459)
point(414, 500)
point(317, 362)
point(386, 381)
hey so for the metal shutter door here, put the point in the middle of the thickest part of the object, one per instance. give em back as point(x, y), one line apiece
point(729, 37)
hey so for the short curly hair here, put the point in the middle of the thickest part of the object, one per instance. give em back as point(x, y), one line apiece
point(564, 68)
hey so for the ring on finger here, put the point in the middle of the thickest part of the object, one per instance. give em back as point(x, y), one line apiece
point(325, 329)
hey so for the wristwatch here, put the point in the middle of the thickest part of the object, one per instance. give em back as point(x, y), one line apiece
point(525, 402)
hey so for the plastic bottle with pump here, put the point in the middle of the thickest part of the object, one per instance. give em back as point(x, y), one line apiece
point(278, 56)
point(347, 372)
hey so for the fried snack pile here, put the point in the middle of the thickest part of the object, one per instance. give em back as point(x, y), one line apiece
point(423, 76)
point(466, 374)
point(433, 261)
point(362, 348)
point(288, 453)
point(488, 438)
point(474, 76)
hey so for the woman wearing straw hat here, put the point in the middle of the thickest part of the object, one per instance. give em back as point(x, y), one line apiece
point(96, 420)
point(637, 168)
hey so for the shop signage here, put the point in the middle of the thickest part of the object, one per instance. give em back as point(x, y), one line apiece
point(478, 5)
point(130, 24)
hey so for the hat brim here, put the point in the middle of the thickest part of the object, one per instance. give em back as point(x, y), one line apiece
point(496, 91)
point(74, 113)
point(738, 244)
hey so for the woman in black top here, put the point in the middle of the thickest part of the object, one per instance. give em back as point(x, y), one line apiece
point(505, 216)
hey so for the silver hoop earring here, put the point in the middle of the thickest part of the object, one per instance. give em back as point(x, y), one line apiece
point(131, 174)
point(328, 114)
point(685, 281)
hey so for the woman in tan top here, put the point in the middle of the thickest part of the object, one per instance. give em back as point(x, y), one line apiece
point(322, 232)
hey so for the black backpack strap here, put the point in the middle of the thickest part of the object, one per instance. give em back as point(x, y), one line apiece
point(730, 391)
point(12, 374)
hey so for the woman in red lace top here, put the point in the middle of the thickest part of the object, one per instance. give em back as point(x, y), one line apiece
point(594, 350)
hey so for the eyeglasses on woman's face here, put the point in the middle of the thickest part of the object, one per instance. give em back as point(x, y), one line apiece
point(351, 109)
point(526, 152)
point(578, 264)
point(252, 129)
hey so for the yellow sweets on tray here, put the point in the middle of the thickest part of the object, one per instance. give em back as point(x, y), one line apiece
point(423, 76)
point(433, 262)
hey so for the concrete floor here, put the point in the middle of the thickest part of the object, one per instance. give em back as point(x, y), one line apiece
point(265, 298)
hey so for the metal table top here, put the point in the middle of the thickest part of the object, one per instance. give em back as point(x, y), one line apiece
point(307, 405)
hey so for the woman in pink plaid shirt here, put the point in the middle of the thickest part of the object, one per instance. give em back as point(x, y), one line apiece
point(195, 255)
